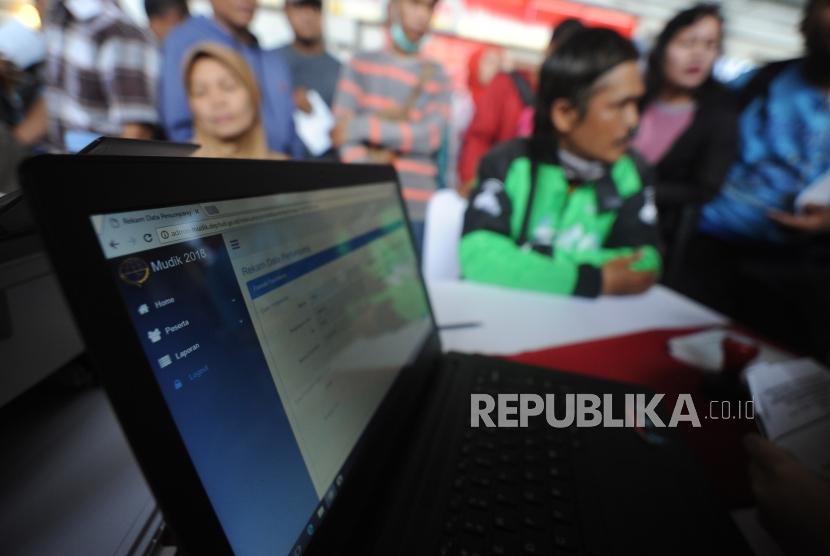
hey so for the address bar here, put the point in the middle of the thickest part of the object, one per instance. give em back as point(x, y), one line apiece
point(212, 226)
point(219, 224)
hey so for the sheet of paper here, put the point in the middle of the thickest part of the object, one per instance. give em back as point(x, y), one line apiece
point(21, 45)
point(703, 349)
point(793, 401)
point(314, 129)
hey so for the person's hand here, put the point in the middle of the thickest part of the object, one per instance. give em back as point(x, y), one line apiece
point(815, 219)
point(466, 189)
point(34, 125)
point(339, 133)
point(301, 100)
point(794, 504)
point(619, 279)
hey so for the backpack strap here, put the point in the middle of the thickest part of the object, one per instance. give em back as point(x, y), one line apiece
point(525, 91)
point(521, 241)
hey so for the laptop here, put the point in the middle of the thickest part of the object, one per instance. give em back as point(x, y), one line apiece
point(268, 345)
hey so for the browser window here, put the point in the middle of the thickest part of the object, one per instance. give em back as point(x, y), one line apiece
point(274, 326)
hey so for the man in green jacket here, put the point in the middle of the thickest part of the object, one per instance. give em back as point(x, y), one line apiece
point(569, 211)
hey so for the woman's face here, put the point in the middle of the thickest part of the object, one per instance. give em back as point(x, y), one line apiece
point(222, 106)
point(691, 54)
point(489, 66)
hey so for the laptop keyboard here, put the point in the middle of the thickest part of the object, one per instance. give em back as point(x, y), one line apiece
point(513, 490)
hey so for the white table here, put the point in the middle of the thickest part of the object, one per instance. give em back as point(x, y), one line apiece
point(513, 321)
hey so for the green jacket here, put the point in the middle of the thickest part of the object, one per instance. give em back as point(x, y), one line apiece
point(572, 232)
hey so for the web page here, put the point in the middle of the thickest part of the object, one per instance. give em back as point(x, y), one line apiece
point(274, 326)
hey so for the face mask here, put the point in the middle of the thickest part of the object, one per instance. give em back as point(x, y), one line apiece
point(403, 42)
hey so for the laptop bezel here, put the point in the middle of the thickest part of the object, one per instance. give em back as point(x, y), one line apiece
point(118, 146)
point(64, 191)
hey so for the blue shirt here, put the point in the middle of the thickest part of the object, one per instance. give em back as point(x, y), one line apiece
point(276, 109)
point(785, 147)
point(318, 72)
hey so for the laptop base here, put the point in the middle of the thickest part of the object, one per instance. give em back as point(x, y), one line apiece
point(541, 490)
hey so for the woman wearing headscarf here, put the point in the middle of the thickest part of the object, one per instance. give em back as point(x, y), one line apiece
point(484, 64)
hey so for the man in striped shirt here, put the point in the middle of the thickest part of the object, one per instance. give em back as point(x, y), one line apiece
point(392, 106)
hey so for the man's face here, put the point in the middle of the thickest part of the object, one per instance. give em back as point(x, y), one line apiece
point(605, 131)
point(306, 21)
point(817, 31)
point(236, 14)
point(161, 25)
point(415, 17)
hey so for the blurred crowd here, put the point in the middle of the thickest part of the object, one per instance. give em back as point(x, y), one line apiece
point(601, 172)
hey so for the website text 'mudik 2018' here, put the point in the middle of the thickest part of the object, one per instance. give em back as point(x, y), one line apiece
point(594, 410)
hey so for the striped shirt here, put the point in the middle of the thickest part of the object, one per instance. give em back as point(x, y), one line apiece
point(100, 70)
point(377, 81)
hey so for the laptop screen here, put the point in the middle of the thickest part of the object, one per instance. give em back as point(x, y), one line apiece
point(274, 326)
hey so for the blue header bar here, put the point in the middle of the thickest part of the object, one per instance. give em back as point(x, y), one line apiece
point(278, 278)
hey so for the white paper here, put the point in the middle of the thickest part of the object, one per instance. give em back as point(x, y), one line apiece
point(84, 9)
point(21, 45)
point(315, 128)
point(703, 349)
point(818, 193)
point(793, 401)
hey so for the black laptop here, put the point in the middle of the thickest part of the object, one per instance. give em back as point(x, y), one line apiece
point(266, 340)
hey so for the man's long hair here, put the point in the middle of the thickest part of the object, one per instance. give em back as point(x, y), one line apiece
point(572, 72)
